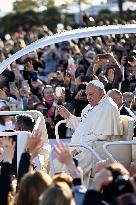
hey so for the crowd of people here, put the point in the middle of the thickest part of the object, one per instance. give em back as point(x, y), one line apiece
point(59, 81)
point(58, 74)
point(112, 183)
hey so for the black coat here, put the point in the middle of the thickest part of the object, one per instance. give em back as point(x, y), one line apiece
point(6, 176)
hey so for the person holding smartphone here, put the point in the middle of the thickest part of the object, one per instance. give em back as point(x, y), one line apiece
point(9, 93)
point(36, 85)
point(80, 100)
point(50, 103)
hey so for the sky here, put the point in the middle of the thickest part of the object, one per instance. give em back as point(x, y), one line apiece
point(6, 5)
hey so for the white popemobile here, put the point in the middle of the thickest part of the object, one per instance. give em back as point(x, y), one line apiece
point(69, 35)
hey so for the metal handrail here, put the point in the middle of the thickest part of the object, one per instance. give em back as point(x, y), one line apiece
point(35, 114)
point(56, 129)
point(2, 134)
point(52, 169)
point(105, 147)
point(18, 112)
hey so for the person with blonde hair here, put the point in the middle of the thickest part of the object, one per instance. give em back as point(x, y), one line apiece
point(32, 186)
point(63, 177)
point(58, 194)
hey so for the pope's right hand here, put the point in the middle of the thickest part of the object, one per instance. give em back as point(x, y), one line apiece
point(63, 112)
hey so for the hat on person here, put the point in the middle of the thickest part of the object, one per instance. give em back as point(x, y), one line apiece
point(97, 83)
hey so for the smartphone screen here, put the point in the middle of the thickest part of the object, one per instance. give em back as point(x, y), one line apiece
point(70, 61)
point(21, 67)
point(34, 76)
point(45, 112)
point(59, 91)
point(103, 56)
point(12, 86)
point(12, 107)
point(25, 83)
point(75, 161)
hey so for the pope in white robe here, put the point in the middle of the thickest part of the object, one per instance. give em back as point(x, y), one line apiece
point(96, 123)
point(99, 120)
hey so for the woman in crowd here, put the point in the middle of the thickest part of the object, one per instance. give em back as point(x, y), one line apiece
point(31, 187)
point(60, 192)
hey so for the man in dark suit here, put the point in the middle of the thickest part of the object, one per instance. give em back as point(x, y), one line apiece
point(117, 97)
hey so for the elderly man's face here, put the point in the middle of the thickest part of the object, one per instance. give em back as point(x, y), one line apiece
point(116, 98)
point(94, 94)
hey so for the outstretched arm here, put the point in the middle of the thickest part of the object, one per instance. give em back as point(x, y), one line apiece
point(71, 120)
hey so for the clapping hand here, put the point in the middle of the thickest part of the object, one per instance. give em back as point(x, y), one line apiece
point(64, 155)
point(102, 178)
point(63, 112)
point(8, 149)
point(34, 143)
point(101, 165)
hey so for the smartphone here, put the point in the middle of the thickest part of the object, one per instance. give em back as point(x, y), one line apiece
point(12, 86)
point(12, 107)
point(75, 161)
point(21, 67)
point(34, 76)
point(83, 93)
point(45, 112)
point(25, 83)
point(103, 56)
point(59, 91)
point(31, 55)
point(70, 61)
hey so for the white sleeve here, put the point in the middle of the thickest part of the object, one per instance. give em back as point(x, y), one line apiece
point(72, 122)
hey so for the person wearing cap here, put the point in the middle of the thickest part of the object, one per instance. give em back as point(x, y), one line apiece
point(99, 119)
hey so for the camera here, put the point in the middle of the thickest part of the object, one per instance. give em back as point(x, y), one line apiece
point(130, 59)
point(122, 185)
point(45, 112)
point(83, 93)
point(118, 186)
point(59, 91)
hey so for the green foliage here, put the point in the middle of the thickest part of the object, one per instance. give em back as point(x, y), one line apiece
point(28, 19)
point(51, 17)
point(24, 5)
point(106, 15)
point(27, 5)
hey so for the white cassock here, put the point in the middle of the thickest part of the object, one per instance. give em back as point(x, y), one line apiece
point(96, 123)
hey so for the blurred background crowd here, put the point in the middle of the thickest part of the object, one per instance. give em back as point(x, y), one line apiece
point(58, 74)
